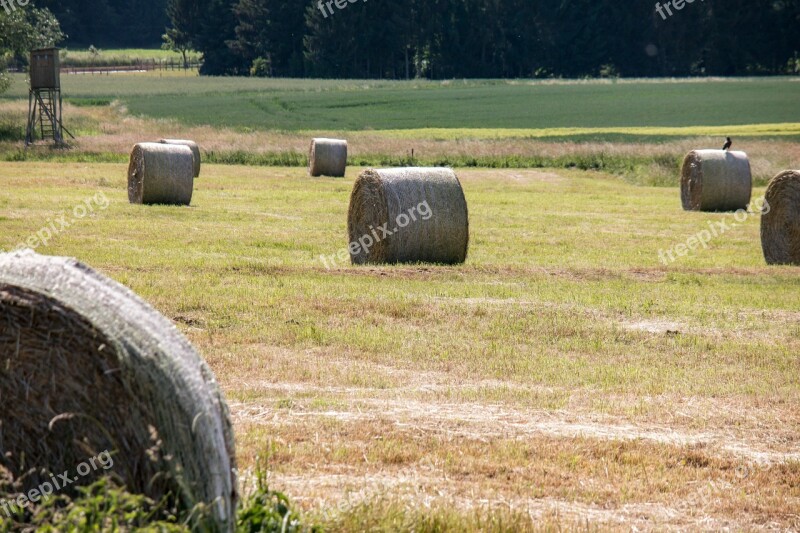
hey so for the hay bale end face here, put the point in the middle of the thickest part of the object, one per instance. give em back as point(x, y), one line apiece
point(161, 174)
point(408, 215)
point(716, 180)
point(327, 157)
point(192, 146)
point(89, 367)
point(780, 222)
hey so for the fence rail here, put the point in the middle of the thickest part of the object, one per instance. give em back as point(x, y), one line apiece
point(141, 66)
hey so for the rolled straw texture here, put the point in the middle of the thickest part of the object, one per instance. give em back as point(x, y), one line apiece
point(88, 366)
point(192, 146)
point(429, 202)
point(780, 223)
point(161, 174)
point(715, 180)
point(327, 157)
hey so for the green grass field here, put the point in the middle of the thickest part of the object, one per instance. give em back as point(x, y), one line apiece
point(565, 377)
point(120, 57)
point(292, 105)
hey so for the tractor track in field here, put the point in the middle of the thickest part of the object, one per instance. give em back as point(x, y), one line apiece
point(483, 422)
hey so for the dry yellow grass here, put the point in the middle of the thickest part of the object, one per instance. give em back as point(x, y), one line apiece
point(112, 129)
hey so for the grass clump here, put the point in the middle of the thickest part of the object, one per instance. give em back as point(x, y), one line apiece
point(266, 511)
point(106, 506)
point(394, 515)
point(101, 506)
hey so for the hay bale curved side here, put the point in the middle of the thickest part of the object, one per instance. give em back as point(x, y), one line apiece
point(424, 210)
point(327, 157)
point(192, 146)
point(161, 174)
point(89, 366)
point(715, 180)
point(780, 223)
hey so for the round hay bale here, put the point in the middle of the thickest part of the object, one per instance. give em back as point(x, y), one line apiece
point(780, 221)
point(327, 157)
point(716, 180)
point(161, 174)
point(87, 366)
point(192, 146)
point(408, 215)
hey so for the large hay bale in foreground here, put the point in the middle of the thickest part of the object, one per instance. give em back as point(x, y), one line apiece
point(780, 223)
point(192, 146)
point(161, 174)
point(423, 210)
point(327, 157)
point(716, 180)
point(87, 366)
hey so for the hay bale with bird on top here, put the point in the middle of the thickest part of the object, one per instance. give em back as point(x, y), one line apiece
point(716, 180)
point(192, 146)
point(161, 174)
point(780, 221)
point(408, 215)
point(327, 157)
point(88, 367)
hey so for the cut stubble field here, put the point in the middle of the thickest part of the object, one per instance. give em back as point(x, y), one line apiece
point(563, 377)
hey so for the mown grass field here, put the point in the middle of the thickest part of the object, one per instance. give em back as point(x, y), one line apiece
point(563, 378)
point(563, 372)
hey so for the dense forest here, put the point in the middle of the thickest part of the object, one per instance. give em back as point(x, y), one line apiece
point(452, 38)
point(110, 23)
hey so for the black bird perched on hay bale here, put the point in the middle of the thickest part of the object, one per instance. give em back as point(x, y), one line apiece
point(728, 144)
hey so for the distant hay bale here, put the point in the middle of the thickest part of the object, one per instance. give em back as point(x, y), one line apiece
point(87, 366)
point(424, 209)
point(716, 180)
point(192, 146)
point(780, 223)
point(327, 157)
point(161, 174)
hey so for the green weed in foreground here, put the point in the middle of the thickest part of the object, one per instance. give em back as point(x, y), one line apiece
point(101, 506)
point(265, 510)
point(104, 506)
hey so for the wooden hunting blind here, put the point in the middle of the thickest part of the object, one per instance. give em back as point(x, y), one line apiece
point(45, 69)
point(44, 100)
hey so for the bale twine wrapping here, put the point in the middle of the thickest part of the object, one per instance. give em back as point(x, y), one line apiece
point(715, 180)
point(327, 157)
point(381, 198)
point(192, 146)
point(161, 174)
point(87, 366)
point(780, 223)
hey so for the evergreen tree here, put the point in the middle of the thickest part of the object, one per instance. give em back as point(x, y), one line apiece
point(452, 38)
point(214, 38)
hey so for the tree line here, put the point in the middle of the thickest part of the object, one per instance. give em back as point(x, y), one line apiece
point(439, 39)
point(110, 23)
point(442, 39)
